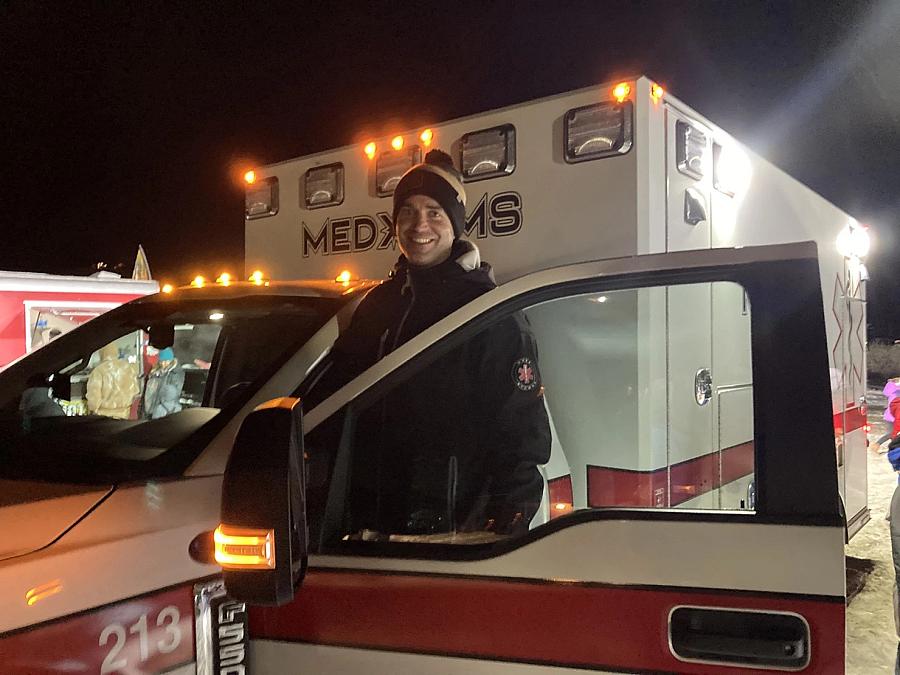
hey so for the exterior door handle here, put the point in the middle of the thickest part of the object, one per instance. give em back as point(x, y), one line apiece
point(739, 637)
point(703, 386)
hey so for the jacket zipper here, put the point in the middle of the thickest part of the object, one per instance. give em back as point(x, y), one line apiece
point(384, 400)
point(412, 300)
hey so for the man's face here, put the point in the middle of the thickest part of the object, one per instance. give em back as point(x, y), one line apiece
point(424, 231)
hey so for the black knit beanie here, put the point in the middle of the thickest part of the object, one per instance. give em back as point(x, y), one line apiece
point(437, 178)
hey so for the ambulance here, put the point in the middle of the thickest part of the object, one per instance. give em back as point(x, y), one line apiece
point(699, 318)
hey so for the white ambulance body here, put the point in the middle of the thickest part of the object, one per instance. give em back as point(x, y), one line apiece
point(578, 177)
point(678, 379)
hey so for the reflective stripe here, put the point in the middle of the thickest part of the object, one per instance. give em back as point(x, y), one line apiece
point(151, 633)
point(557, 623)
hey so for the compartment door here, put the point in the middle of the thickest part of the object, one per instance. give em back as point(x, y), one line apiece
point(689, 181)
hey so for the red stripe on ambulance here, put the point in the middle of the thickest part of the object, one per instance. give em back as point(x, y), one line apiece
point(850, 420)
point(694, 477)
point(148, 634)
point(559, 623)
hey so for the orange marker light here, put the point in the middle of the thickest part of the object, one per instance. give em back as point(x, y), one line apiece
point(198, 281)
point(426, 137)
point(257, 277)
point(370, 150)
point(620, 91)
point(343, 278)
point(224, 279)
point(250, 177)
point(38, 593)
point(244, 548)
point(167, 288)
point(656, 93)
point(397, 142)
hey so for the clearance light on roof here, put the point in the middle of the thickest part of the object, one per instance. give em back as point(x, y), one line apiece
point(198, 282)
point(224, 279)
point(257, 277)
point(621, 91)
point(656, 93)
point(250, 177)
point(343, 278)
point(242, 548)
point(426, 137)
point(167, 288)
point(370, 150)
point(397, 142)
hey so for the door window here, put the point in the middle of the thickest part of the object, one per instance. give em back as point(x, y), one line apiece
point(626, 398)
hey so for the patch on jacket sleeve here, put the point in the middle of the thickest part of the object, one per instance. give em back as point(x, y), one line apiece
point(524, 374)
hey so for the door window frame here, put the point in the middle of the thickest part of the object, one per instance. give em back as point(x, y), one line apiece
point(790, 376)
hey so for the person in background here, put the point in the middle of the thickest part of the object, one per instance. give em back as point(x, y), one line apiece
point(112, 385)
point(162, 393)
point(891, 391)
point(893, 456)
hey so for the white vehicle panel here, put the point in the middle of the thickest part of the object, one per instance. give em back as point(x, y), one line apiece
point(268, 656)
point(628, 552)
point(49, 511)
point(145, 530)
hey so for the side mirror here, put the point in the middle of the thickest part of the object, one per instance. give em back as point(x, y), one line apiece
point(161, 335)
point(262, 540)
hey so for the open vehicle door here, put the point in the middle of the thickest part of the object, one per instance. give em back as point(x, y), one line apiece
point(682, 538)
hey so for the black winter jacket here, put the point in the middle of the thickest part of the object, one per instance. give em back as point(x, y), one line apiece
point(457, 445)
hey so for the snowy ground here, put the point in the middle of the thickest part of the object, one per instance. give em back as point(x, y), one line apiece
point(871, 640)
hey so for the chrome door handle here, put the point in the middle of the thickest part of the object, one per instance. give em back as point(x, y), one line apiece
point(703, 386)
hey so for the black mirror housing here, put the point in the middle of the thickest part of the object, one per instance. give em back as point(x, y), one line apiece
point(263, 492)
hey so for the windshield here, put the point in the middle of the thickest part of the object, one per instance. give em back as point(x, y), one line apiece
point(125, 396)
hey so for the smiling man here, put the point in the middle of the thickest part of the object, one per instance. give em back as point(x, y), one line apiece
point(456, 446)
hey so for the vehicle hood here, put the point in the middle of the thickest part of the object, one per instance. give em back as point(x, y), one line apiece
point(34, 514)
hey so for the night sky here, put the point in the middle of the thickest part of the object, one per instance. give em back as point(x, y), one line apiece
point(129, 124)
